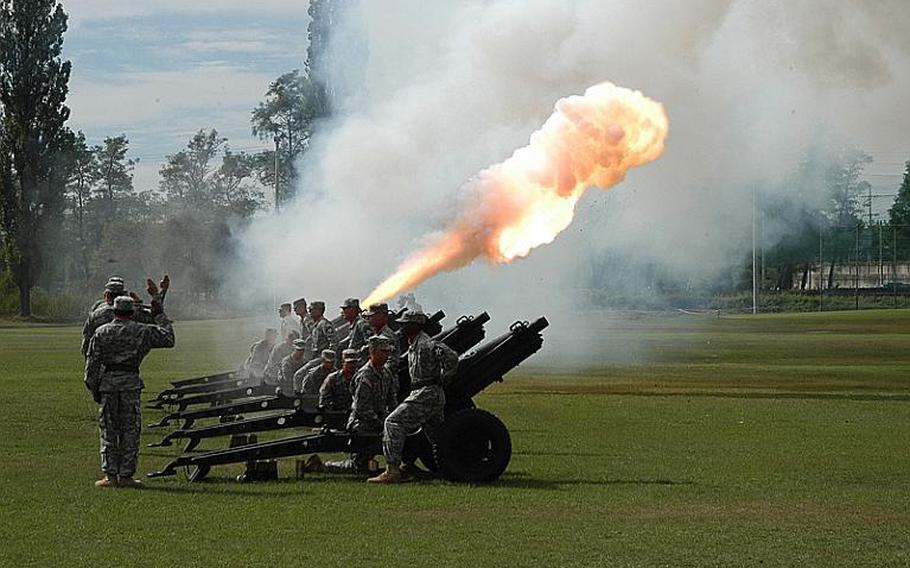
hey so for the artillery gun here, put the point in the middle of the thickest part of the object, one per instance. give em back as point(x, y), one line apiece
point(465, 334)
point(471, 445)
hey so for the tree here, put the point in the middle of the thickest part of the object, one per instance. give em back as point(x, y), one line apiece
point(113, 174)
point(33, 89)
point(899, 214)
point(83, 168)
point(186, 177)
point(293, 103)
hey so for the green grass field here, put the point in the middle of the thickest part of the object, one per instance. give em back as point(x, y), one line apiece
point(777, 440)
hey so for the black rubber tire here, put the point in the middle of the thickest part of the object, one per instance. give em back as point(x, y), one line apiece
point(473, 446)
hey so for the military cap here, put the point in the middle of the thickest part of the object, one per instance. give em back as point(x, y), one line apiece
point(350, 303)
point(115, 286)
point(285, 305)
point(299, 301)
point(123, 304)
point(413, 316)
point(380, 342)
point(350, 355)
point(328, 355)
point(317, 305)
point(116, 279)
point(300, 344)
point(378, 308)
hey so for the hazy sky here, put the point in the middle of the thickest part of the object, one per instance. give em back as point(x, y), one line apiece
point(160, 70)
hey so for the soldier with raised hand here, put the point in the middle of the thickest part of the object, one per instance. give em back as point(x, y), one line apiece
point(115, 353)
point(289, 367)
point(429, 362)
point(104, 312)
point(112, 289)
point(308, 381)
point(337, 390)
point(374, 397)
point(279, 352)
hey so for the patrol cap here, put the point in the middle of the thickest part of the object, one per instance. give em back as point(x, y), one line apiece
point(317, 305)
point(380, 342)
point(378, 308)
point(328, 355)
point(123, 304)
point(350, 303)
point(413, 316)
point(350, 355)
point(285, 305)
point(115, 286)
point(300, 344)
point(299, 301)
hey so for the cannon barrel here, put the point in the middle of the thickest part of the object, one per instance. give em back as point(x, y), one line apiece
point(476, 370)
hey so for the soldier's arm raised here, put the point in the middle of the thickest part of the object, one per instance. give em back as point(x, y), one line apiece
point(161, 333)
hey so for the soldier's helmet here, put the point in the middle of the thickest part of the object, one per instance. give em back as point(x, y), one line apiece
point(380, 342)
point(350, 355)
point(123, 305)
point(413, 316)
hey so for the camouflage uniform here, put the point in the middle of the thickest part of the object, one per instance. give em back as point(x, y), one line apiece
point(361, 330)
point(103, 314)
point(286, 324)
point(306, 326)
point(428, 362)
point(336, 392)
point(309, 385)
point(322, 336)
point(112, 375)
point(374, 396)
point(288, 368)
point(273, 367)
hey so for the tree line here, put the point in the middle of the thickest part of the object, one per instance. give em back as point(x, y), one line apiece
point(70, 215)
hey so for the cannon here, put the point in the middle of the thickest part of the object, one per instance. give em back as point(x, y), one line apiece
point(467, 332)
point(471, 445)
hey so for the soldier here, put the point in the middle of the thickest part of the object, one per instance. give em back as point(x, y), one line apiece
point(112, 376)
point(378, 317)
point(306, 323)
point(307, 381)
point(322, 335)
point(259, 354)
point(360, 328)
point(289, 367)
point(113, 280)
point(429, 362)
point(279, 352)
point(104, 313)
point(374, 397)
point(285, 321)
point(337, 391)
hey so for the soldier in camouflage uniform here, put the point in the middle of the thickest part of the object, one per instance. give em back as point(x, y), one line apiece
point(286, 321)
point(116, 282)
point(429, 362)
point(104, 312)
point(112, 376)
point(289, 367)
point(337, 390)
point(308, 381)
point(374, 397)
point(378, 317)
point(360, 328)
point(322, 336)
point(279, 352)
point(259, 354)
point(306, 322)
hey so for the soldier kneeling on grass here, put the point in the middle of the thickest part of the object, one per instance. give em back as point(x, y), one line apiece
point(112, 376)
point(375, 396)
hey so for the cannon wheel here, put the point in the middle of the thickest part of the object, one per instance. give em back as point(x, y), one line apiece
point(473, 445)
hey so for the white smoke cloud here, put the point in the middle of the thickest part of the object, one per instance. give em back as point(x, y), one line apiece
point(442, 90)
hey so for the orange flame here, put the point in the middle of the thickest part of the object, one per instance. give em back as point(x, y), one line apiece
point(525, 201)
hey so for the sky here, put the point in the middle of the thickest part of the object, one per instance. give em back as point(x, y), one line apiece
point(158, 71)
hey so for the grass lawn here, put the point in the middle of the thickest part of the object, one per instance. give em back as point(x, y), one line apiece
point(776, 440)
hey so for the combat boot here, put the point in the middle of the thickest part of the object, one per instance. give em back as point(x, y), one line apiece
point(388, 476)
point(106, 482)
point(129, 482)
